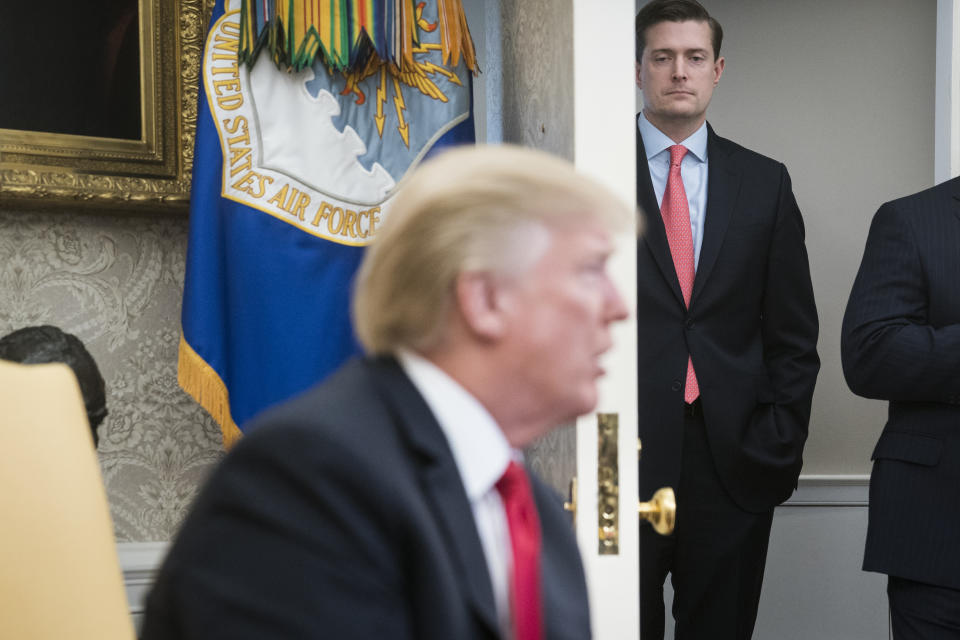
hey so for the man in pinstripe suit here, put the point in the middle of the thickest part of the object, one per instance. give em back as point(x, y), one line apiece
point(901, 343)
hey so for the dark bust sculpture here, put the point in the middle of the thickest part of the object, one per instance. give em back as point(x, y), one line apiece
point(42, 344)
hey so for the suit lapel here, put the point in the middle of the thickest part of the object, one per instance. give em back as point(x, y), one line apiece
point(442, 486)
point(723, 185)
point(654, 233)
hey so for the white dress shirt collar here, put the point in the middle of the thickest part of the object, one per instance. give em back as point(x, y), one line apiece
point(656, 141)
point(482, 454)
point(479, 447)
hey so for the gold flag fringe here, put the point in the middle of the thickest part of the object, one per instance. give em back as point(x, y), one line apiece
point(198, 378)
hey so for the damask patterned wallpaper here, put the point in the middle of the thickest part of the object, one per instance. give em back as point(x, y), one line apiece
point(116, 281)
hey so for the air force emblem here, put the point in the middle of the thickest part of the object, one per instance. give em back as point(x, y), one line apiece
point(326, 150)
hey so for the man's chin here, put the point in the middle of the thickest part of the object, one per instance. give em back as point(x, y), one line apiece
point(681, 114)
point(587, 403)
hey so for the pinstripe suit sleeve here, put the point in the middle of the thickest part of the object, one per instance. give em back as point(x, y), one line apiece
point(890, 349)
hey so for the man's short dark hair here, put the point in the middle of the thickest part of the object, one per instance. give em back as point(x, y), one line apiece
point(659, 11)
point(43, 344)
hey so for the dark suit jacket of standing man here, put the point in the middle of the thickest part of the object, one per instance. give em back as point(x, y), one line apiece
point(901, 342)
point(306, 484)
point(751, 331)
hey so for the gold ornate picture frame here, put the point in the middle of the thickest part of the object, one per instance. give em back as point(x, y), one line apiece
point(43, 169)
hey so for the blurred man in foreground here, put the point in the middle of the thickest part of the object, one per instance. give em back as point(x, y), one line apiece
point(391, 501)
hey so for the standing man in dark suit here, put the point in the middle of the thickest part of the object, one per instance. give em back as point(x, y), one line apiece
point(392, 502)
point(901, 342)
point(728, 327)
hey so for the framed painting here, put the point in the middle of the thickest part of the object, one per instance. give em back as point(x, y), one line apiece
point(99, 102)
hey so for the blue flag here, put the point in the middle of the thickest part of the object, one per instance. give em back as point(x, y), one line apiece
point(293, 174)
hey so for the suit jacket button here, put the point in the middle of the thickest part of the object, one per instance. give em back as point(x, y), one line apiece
point(689, 324)
point(676, 385)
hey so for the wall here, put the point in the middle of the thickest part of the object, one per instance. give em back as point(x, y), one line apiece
point(843, 94)
point(116, 280)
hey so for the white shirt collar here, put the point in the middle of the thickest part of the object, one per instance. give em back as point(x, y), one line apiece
point(479, 447)
point(656, 141)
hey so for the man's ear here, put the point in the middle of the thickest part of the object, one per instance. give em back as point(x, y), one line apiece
point(478, 299)
point(718, 70)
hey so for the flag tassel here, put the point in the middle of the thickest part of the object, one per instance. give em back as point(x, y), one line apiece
point(198, 379)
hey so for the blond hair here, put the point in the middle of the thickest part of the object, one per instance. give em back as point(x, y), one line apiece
point(464, 210)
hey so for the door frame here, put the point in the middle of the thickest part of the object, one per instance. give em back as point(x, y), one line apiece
point(946, 138)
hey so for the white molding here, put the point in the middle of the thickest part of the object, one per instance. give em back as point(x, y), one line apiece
point(946, 134)
point(833, 479)
point(141, 556)
point(815, 490)
point(140, 562)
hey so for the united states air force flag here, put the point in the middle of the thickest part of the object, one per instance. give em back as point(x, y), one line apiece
point(311, 113)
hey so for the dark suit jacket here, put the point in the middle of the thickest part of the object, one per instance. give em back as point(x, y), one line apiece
point(751, 330)
point(341, 514)
point(901, 342)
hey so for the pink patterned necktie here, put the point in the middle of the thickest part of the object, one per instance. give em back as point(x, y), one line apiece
point(676, 220)
point(524, 525)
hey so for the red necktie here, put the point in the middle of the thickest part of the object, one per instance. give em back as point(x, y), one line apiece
point(676, 220)
point(524, 525)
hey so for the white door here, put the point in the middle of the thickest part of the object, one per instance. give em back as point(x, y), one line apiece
point(605, 147)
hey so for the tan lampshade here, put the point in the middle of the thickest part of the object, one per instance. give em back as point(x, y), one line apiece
point(59, 572)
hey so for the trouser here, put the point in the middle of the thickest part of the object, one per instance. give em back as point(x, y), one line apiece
point(920, 611)
point(716, 555)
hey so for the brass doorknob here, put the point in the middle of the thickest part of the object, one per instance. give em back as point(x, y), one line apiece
point(661, 511)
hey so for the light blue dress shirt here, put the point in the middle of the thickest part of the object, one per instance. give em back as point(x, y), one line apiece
point(693, 170)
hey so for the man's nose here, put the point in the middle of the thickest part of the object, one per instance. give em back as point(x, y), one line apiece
point(616, 307)
point(679, 69)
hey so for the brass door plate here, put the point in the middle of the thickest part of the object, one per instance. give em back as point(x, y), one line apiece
point(608, 485)
point(570, 506)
